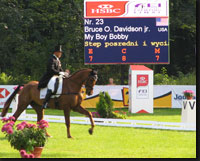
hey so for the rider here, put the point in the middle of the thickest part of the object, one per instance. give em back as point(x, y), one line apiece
point(53, 68)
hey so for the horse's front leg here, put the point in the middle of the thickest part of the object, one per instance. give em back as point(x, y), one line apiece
point(67, 121)
point(81, 110)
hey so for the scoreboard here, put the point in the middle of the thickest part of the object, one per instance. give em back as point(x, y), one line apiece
point(126, 32)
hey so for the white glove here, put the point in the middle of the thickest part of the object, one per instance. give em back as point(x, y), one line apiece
point(62, 73)
point(66, 74)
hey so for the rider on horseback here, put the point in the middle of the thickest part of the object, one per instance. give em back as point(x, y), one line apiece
point(53, 68)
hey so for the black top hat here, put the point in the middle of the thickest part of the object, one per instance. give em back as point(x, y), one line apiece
point(58, 48)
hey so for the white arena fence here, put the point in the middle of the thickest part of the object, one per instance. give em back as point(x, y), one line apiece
point(113, 122)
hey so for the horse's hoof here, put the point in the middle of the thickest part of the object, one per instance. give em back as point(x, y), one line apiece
point(90, 131)
point(70, 137)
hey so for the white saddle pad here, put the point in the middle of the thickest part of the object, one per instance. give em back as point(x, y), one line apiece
point(51, 85)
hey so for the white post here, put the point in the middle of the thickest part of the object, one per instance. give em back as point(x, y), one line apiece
point(14, 105)
point(188, 113)
point(140, 89)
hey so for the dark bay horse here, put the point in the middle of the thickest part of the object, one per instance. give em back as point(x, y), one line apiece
point(70, 98)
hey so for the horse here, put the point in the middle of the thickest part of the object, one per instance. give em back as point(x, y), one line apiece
point(70, 98)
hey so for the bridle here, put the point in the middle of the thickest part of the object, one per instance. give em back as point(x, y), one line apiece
point(91, 76)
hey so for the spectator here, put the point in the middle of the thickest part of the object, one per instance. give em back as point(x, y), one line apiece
point(111, 81)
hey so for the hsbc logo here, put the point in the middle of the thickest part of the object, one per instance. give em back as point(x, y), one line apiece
point(142, 80)
point(106, 8)
point(4, 92)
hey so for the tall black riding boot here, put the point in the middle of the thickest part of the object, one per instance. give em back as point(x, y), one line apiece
point(47, 97)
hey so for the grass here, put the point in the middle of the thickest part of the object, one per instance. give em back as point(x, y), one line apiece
point(114, 142)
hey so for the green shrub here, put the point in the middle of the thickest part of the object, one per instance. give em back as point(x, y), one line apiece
point(187, 79)
point(163, 78)
point(5, 79)
point(102, 106)
point(109, 104)
point(105, 105)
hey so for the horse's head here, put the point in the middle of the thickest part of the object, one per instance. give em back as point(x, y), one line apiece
point(90, 82)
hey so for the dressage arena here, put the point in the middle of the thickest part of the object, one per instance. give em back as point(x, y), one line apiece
point(113, 138)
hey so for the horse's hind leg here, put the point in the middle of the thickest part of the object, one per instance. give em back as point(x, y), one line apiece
point(81, 110)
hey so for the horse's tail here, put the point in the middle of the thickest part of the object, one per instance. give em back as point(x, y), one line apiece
point(9, 100)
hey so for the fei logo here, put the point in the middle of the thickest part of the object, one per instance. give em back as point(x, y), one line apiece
point(105, 8)
point(142, 80)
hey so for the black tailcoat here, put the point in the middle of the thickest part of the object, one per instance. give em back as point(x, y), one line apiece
point(53, 68)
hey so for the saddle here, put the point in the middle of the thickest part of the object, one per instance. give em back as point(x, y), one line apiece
point(55, 84)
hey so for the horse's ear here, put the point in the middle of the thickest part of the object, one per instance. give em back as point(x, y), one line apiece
point(94, 72)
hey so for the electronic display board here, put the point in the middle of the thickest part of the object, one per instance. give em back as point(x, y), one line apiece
point(126, 32)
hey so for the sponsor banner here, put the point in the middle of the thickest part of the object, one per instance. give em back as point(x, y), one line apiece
point(126, 8)
point(5, 91)
point(177, 94)
point(165, 96)
point(105, 8)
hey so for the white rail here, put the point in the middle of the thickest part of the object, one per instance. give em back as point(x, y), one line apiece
point(114, 122)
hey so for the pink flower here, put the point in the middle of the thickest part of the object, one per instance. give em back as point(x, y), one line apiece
point(4, 119)
point(42, 122)
point(26, 156)
point(20, 127)
point(10, 130)
point(22, 152)
point(6, 127)
point(24, 123)
point(3, 129)
point(31, 156)
point(43, 126)
point(11, 123)
point(11, 118)
point(30, 125)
